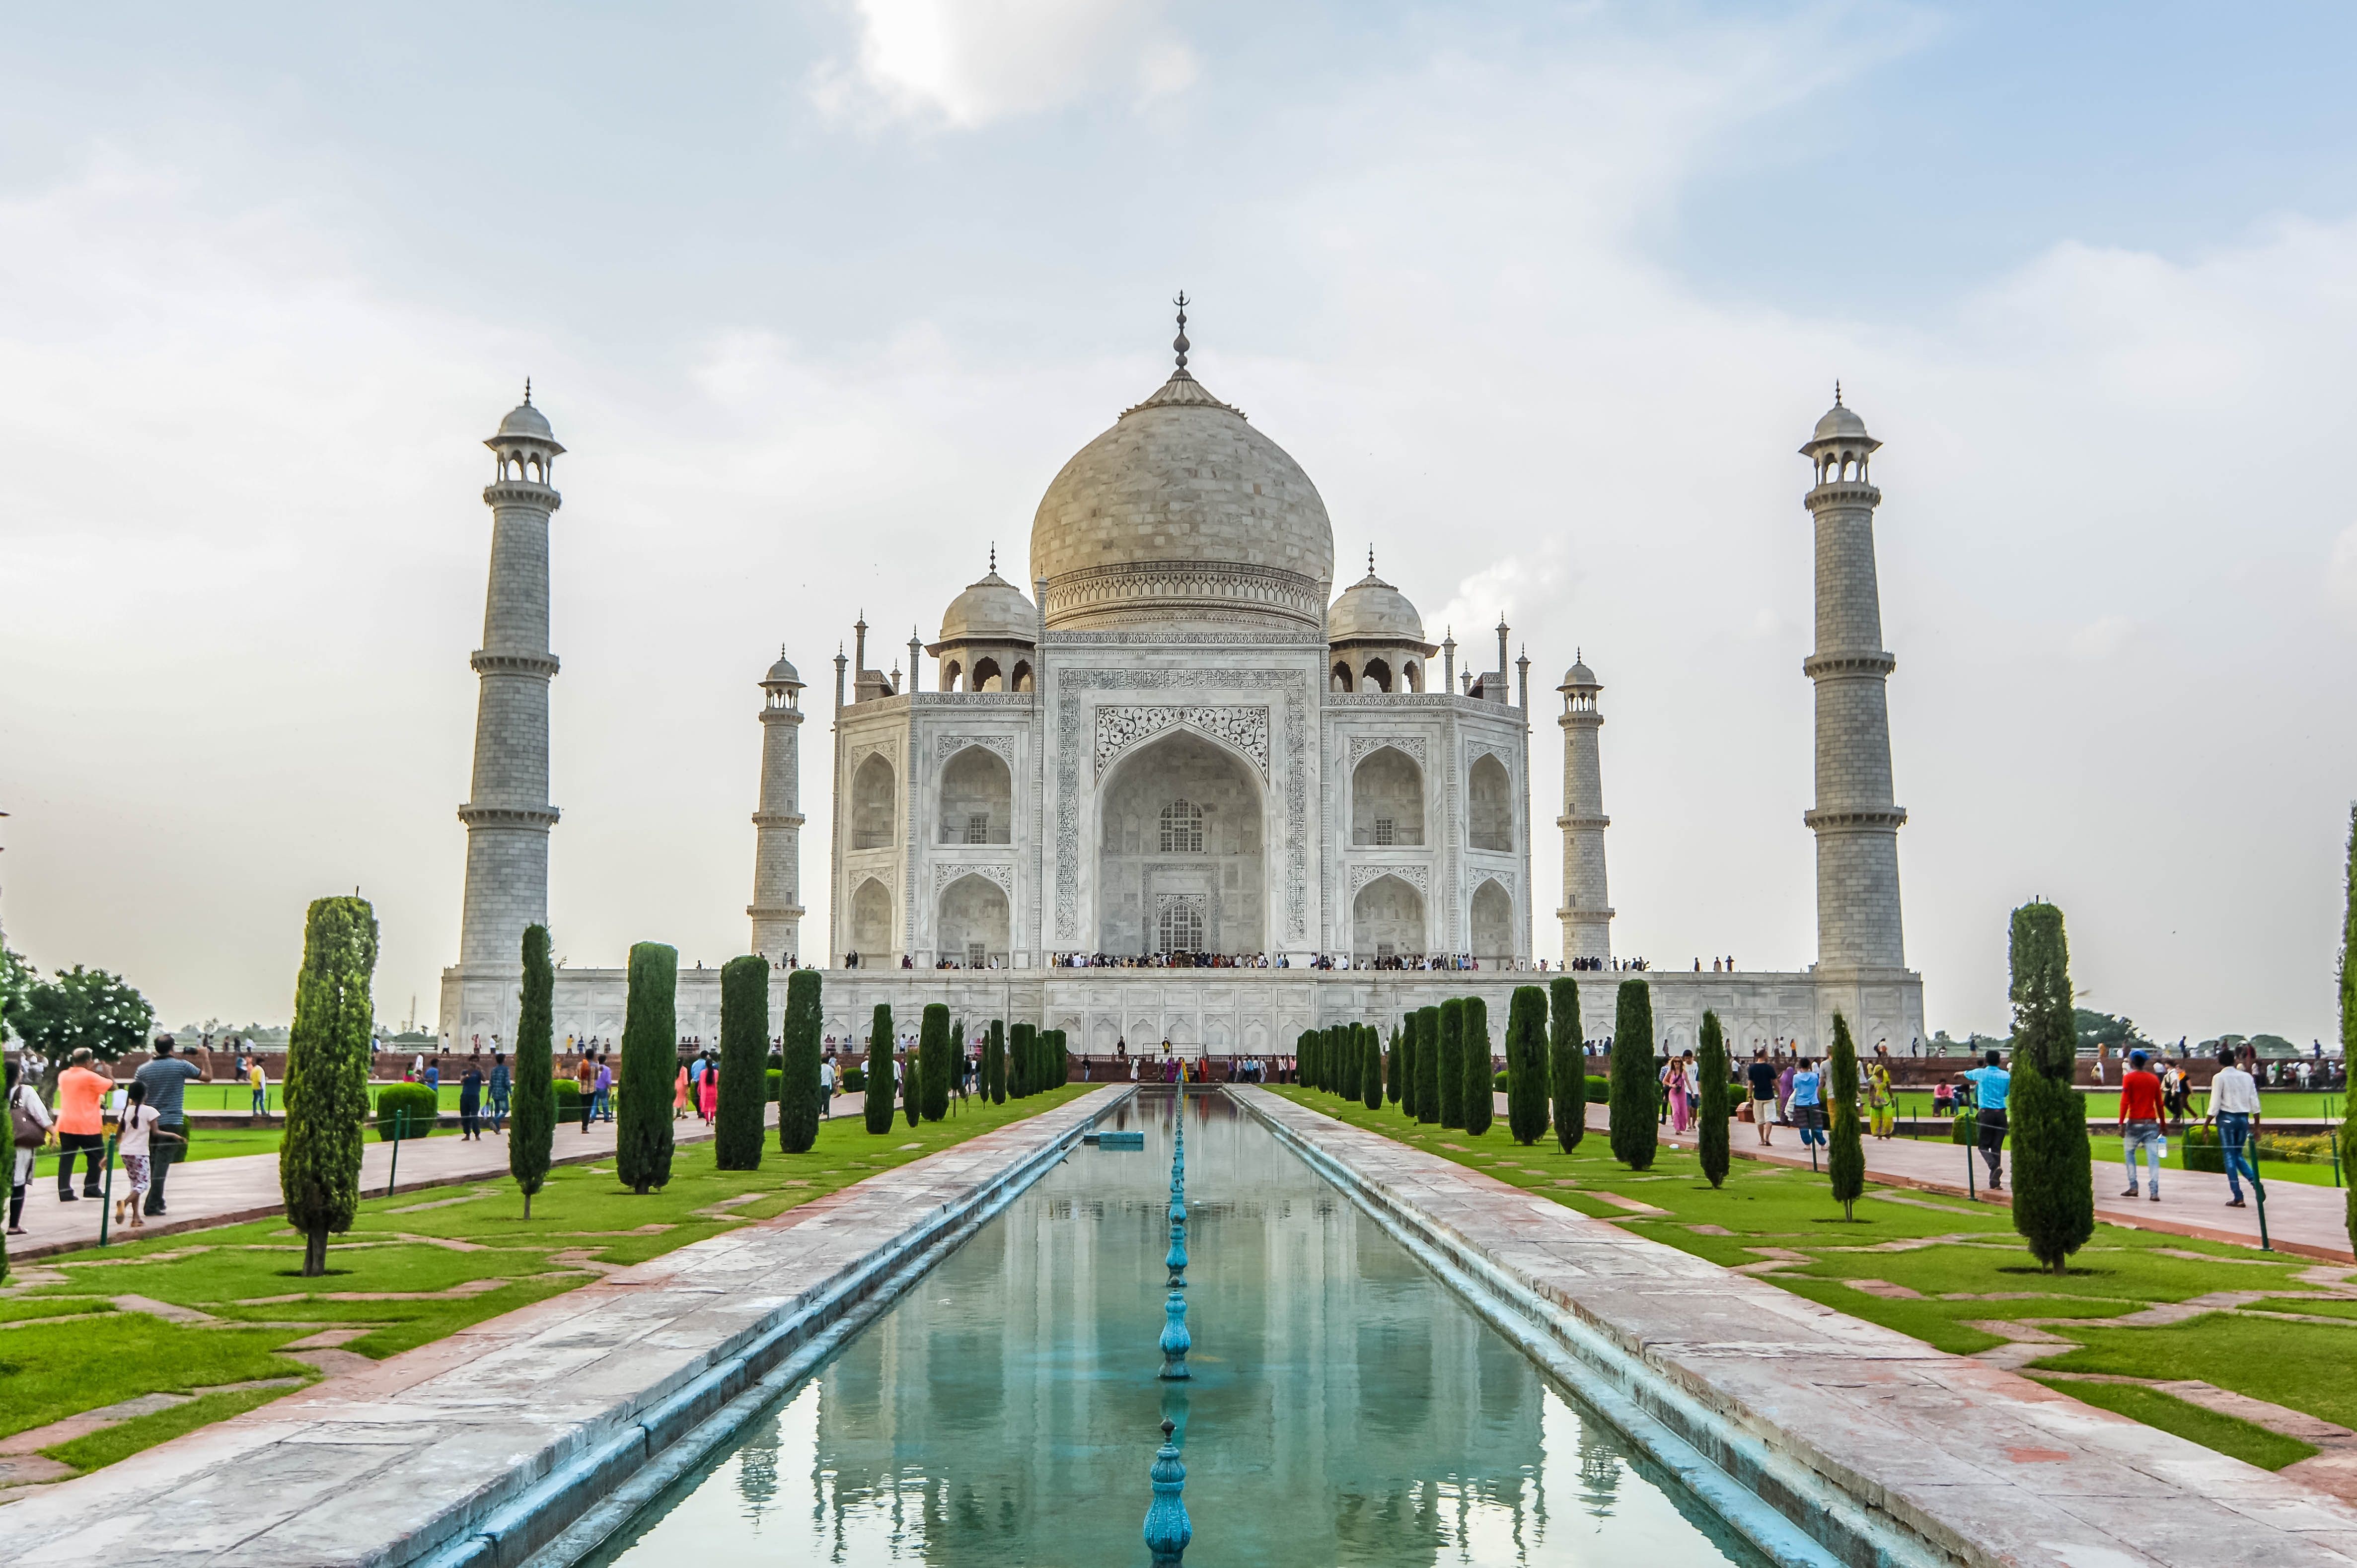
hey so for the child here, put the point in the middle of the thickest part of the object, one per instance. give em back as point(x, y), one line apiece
point(139, 1126)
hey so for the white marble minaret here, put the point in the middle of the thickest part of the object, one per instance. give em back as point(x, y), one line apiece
point(506, 814)
point(777, 907)
point(1586, 912)
point(1856, 822)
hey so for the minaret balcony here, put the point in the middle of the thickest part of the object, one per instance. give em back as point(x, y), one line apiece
point(1583, 821)
point(521, 492)
point(489, 661)
point(508, 816)
point(1836, 664)
point(778, 820)
point(1841, 493)
point(1887, 819)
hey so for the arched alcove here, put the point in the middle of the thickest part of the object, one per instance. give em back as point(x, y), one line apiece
point(975, 922)
point(875, 803)
point(1377, 676)
point(1493, 922)
point(1387, 919)
point(871, 922)
point(1387, 799)
point(985, 675)
point(1489, 817)
point(977, 797)
point(1210, 878)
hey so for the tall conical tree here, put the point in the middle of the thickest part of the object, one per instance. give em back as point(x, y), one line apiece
point(994, 1063)
point(1711, 1063)
point(1019, 1061)
point(1403, 1063)
point(2348, 1133)
point(1481, 1076)
point(1427, 1066)
point(1370, 1069)
point(532, 1105)
point(1392, 1066)
point(798, 1064)
point(1845, 1151)
point(878, 1107)
point(642, 1141)
point(912, 1082)
point(1636, 1107)
point(1452, 1062)
point(2053, 1180)
point(1566, 1063)
point(1526, 1064)
point(1353, 1052)
point(933, 1061)
point(744, 1063)
point(1305, 1058)
point(327, 1053)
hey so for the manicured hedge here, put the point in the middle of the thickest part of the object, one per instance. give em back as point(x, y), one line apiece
point(420, 1106)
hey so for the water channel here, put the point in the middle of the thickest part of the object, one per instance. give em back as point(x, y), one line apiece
point(1345, 1405)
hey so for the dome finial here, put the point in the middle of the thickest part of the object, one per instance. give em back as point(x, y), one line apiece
point(527, 392)
point(1180, 342)
point(1837, 401)
point(993, 557)
point(1370, 560)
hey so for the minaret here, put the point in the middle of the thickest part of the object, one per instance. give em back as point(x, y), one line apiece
point(506, 814)
point(1856, 824)
point(777, 909)
point(1586, 912)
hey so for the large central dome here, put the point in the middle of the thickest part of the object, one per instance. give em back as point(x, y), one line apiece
point(1182, 512)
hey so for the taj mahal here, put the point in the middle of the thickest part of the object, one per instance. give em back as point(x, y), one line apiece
point(1181, 789)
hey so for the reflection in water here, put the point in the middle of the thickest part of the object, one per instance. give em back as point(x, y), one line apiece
point(1344, 1406)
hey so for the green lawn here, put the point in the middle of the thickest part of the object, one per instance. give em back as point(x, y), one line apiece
point(1967, 1267)
point(247, 1277)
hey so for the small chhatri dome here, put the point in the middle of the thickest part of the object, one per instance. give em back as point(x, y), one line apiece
point(525, 419)
point(1373, 608)
point(781, 673)
point(992, 611)
point(1579, 677)
point(1839, 424)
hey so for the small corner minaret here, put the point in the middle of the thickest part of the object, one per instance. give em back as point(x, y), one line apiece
point(777, 909)
point(507, 813)
point(1586, 912)
point(1855, 820)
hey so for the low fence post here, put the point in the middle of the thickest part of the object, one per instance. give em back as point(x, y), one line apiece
point(400, 1126)
point(106, 1197)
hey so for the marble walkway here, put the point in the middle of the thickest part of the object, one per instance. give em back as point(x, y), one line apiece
point(470, 1452)
point(1978, 1463)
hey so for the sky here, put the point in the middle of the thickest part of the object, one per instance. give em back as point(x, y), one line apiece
point(1544, 298)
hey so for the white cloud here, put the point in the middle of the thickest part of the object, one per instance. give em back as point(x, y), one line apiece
point(966, 63)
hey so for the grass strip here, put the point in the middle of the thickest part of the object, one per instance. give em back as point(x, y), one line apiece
point(2227, 1435)
point(121, 1441)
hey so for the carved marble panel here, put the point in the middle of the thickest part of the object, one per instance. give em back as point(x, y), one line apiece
point(1412, 745)
point(1415, 876)
point(1121, 727)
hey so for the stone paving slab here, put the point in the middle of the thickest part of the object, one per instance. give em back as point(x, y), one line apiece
point(1978, 1465)
point(396, 1462)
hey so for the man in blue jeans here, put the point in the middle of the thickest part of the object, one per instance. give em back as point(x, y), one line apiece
point(2234, 1107)
point(1992, 1086)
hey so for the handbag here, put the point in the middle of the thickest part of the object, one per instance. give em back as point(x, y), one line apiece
point(1743, 1112)
point(26, 1129)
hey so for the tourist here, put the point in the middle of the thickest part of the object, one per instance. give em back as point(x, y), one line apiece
point(708, 1093)
point(499, 1088)
point(2234, 1107)
point(1761, 1075)
point(143, 1133)
point(1682, 1088)
point(603, 1085)
point(1881, 1104)
point(826, 1087)
point(166, 1080)
point(584, 1080)
point(1784, 1090)
point(682, 1090)
point(1807, 1104)
point(29, 1129)
point(470, 1101)
point(81, 1125)
point(259, 1085)
point(2141, 1114)
point(1991, 1087)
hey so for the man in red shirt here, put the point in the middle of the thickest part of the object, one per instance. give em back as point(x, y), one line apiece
point(2141, 1114)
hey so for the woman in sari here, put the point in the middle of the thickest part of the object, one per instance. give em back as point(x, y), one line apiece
point(680, 1104)
point(1682, 1092)
point(1881, 1104)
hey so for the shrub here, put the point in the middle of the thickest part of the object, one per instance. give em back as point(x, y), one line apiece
point(912, 1082)
point(877, 1115)
point(933, 1061)
point(326, 1075)
point(1480, 1099)
point(531, 1133)
point(642, 1145)
point(772, 1079)
point(1525, 1078)
point(798, 1062)
point(1371, 1067)
point(1711, 1063)
point(1452, 1062)
point(852, 1079)
point(1427, 1064)
point(1347, 1056)
point(1600, 1088)
point(1965, 1129)
point(1404, 1066)
point(2203, 1150)
point(994, 1063)
point(565, 1097)
point(1844, 1153)
point(404, 1111)
point(2053, 1180)
point(1391, 1068)
point(1018, 1061)
point(1568, 1083)
point(1636, 1133)
point(737, 1133)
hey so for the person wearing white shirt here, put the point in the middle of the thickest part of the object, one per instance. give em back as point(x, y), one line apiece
point(2234, 1107)
point(826, 1088)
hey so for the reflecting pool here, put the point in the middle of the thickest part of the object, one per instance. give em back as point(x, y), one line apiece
point(1345, 1406)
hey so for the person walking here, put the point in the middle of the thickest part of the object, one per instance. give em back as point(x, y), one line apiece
point(681, 1100)
point(29, 1124)
point(2140, 1122)
point(257, 1081)
point(470, 1102)
point(1785, 1092)
point(826, 1088)
point(1991, 1087)
point(1761, 1077)
point(708, 1093)
point(603, 1085)
point(142, 1133)
point(1682, 1091)
point(164, 1081)
point(1808, 1103)
point(584, 1080)
point(2234, 1107)
point(81, 1125)
point(499, 1087)
point(1881, 1104)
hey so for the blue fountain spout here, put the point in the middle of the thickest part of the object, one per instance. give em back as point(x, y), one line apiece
point(1175, 1340)
point(1167, 1529)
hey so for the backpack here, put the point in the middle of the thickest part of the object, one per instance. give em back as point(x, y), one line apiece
point(27, 1128)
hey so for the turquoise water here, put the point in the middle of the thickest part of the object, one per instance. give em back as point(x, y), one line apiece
point(1345, 1407)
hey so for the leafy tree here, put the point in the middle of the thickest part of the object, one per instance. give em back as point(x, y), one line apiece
point(2349, 1029)
point(744, 1055)
point(16, 978)
point(1427, 1064)
point(1711, 1063)
point(1480, 1078)
point(1452, 1062)
point(1566, 1063)
point(994, 1063)
point(327, 1053)
point(1392, 1064)
point(1526, 1064)
point(1845, 1153)
point(532, 1103)
point(2103, 1029)
point(81, 1007)
point(1370, 1069)
point(798, 1063)
point(650, 1063)
point(934, 1060)
point(1636, 1110)
point(2053, 1182)
point(878, 1103)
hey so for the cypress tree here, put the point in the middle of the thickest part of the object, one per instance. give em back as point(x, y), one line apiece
point(912, 1082)
point(934, 1060)
point(326, 1074)
point(994, 1063)
point(1347, 1056)
point(1305, 1058)
point(1711, 1062)
point(1452, 1063)
point(1064, 1063)
point(1480, 1077)
point(1392, 1064)
point(877, 1105)
point(2053, 1182)
point(1428, 1065)
point(798, 1066)
point(1403, 1063)
point(1844, 1153)
point(1018, 1062)
point(531, 1104)
point(1636, 1107)
point(2348, 1133)
point(650, 1064)
point(1566, 1063)
point(1526, 1064)
point(1371, 1070)
point(744, 1064)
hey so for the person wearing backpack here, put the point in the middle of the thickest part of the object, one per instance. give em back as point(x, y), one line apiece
point(28, 1128)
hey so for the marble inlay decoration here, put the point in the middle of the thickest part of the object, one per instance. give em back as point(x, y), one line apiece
point(1119, 728)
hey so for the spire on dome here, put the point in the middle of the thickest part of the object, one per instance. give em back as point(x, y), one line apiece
point(527, 392)
point(1837, 401)
point(1180, 342)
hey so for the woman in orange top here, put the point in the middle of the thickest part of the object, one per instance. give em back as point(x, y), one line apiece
point(680, 1104)
point(81, 1125)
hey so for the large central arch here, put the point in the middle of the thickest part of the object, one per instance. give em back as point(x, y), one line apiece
point(974, 924)
point(1181, 850)
point(1387, 919)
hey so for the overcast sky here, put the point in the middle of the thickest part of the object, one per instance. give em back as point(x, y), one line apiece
point(1543, 298)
